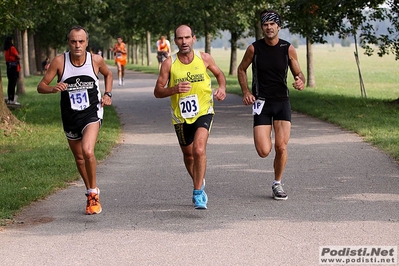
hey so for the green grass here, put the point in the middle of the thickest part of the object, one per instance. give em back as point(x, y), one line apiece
point(337, 97)
point(35, 159)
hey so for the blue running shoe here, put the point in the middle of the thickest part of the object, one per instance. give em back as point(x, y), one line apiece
point(200, 199)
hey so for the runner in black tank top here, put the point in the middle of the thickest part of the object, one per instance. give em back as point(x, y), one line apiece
point(269, 68)
point(270, 58)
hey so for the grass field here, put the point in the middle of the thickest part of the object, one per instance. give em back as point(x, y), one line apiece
point(35, 159)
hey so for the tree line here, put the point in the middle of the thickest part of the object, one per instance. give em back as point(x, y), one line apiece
point(40, 27)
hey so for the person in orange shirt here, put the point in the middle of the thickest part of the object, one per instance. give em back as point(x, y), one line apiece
point(120, 54)
point(12, 61)
point(163, 50)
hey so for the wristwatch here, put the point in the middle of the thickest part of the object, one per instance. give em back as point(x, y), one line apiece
point(108, 94)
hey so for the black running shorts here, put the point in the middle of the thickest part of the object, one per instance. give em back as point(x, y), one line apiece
point(273, 111)
point(75, 132)
point(185, 132)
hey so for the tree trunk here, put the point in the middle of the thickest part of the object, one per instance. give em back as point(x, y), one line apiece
point(110, 54)
point(25, 54)
point(142, 49)
point(130, 53)
point(51, 53)
point(137, 53)
point(208, 39)
point(170, 38)
point(133, 55)
point(233, 54)
point(39, 54)
point(149, 63)
point(258, 29)
point(309, 64)
point(20, 83)
point(32, 54)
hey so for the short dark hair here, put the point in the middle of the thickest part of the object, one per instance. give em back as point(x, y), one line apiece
point(77, 28)
point(8, 42)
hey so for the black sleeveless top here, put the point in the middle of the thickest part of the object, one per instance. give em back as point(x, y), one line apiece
point(269, 70)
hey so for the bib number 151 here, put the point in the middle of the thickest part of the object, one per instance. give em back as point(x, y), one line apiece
point(79, 100)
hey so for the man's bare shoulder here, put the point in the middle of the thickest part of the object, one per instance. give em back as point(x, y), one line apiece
point(166, 65)
point(205, 55)
point(251, 48)
point(97, 58)
point(58, 61)
point(59, 56)
point(207, 58)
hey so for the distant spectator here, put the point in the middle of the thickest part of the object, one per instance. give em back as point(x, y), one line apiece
point(163, 50)
point(45, 65)
point(13, 67)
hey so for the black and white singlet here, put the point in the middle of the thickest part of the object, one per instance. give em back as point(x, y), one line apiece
point(81, 102)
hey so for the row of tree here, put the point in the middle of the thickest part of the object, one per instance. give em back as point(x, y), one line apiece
point(40, 27)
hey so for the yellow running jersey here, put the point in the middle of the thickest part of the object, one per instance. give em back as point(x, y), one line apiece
point(187, 107)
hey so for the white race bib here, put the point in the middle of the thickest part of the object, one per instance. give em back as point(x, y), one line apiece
point(79, 100)
point(189, 106)
point(257, 107)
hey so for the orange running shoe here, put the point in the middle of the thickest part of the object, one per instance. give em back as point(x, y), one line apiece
point(93, 204)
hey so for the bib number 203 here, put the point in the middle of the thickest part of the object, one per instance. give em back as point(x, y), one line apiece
point(189, 106)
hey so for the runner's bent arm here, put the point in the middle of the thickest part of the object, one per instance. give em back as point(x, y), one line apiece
point(123, 50)
point(161, 90)
point(108, 79)
point(299, 82)
point(220, 92)
point(55, 68)
point(248, 98)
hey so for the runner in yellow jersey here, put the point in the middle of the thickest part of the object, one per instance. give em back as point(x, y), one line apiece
point(184, 78)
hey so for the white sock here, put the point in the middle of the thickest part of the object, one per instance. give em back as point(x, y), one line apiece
point(92, 190)
point(275, 182)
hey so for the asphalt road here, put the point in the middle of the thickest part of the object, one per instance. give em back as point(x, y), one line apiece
point(342, 192)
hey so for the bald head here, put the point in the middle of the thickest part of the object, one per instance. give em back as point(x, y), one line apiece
point(184, 28)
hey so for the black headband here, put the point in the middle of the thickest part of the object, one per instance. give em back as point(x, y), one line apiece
point(270, 17)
